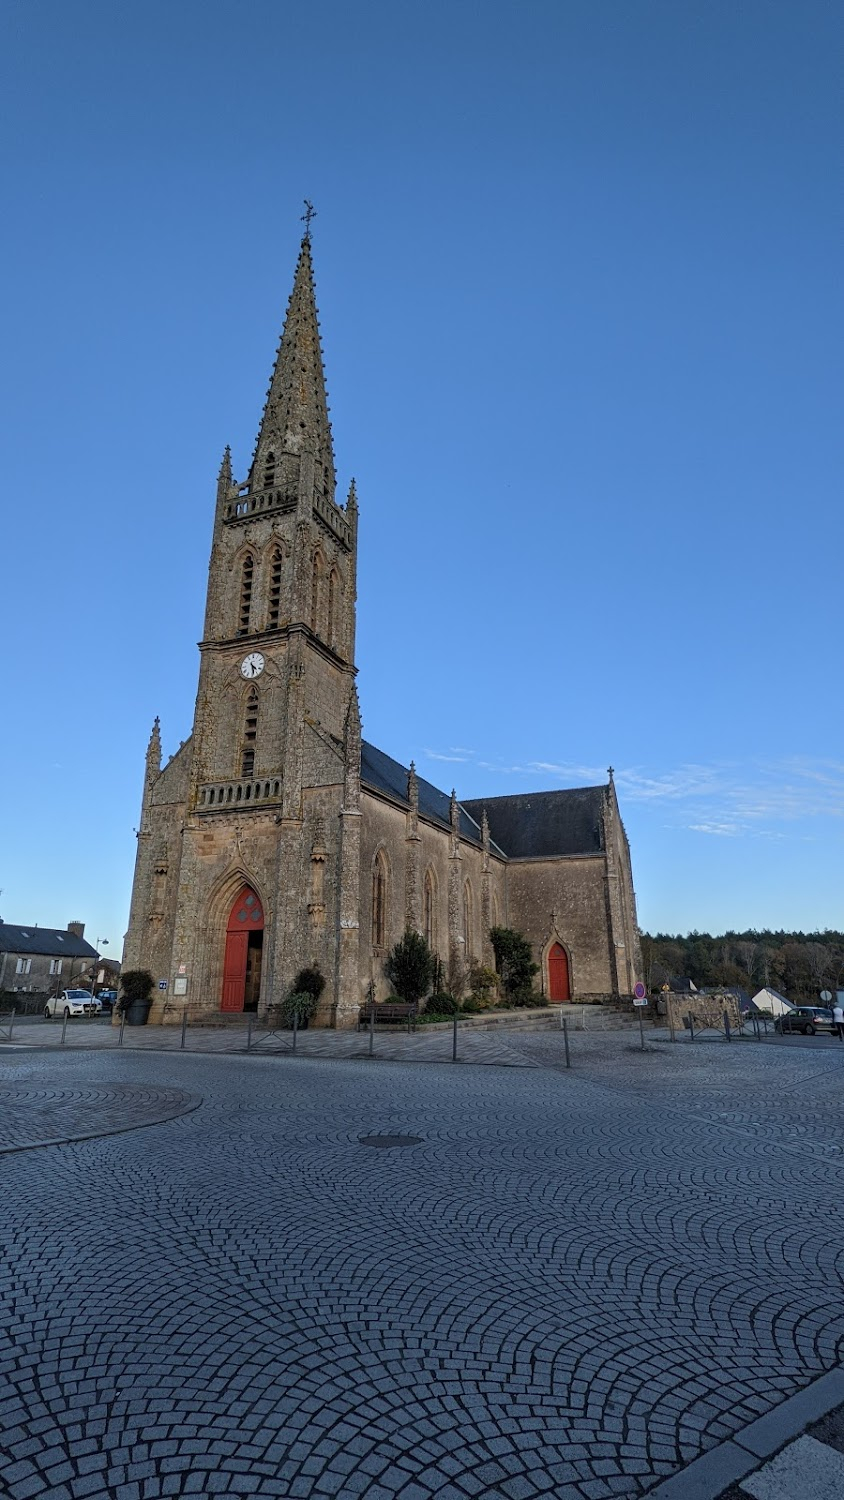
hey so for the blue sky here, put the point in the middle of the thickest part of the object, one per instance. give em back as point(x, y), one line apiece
point(578, 274)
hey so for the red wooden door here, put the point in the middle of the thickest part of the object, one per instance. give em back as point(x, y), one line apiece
point(559, 984)
point(246, 916)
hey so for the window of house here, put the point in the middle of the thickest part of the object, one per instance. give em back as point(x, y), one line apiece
point(55, 966)
point(379, 902)
point(246, 578)
point(250, 735)
point(275, 589)
point(23, 966)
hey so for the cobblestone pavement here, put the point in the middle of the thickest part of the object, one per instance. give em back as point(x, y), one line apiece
point(575, 1283)
point(36, 1114)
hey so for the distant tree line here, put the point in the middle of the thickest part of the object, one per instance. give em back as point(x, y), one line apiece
point(798, 964)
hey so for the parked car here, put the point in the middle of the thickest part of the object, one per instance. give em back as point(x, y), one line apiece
point(107, 998)
point(806, 1018)
point(72, 1003)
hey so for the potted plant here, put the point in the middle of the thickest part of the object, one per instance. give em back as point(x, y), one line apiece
point(135, 1000)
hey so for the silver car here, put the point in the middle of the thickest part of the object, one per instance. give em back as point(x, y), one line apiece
point(72, 1003)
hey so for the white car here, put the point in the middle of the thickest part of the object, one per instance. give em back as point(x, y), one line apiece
point(72, 1003)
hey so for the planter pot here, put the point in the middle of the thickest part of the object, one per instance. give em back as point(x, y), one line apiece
point(137, 1014)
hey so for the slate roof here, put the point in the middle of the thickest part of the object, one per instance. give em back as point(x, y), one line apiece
point(544, 825)
point(384, 774)
point(55, 941)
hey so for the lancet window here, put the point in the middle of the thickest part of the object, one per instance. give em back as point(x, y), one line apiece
point(332, 607)
point(269, 471)
point(275, 589)
point(429, 911)
point(316, 592)
point(247, 575)
point(467, 920)
point(250, 735)
point(379, 901)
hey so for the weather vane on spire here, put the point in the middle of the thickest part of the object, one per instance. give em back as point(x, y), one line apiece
point(310, 213)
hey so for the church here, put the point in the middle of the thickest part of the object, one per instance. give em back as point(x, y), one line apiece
point(277, 838)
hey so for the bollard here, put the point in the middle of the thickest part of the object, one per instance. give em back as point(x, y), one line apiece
point(249, 1036)
point(372, 1028)
point(184, 1028)
point(562, 1022)
point(122, 1024)
point(11, 1023)
point(765, 1024)
point(566, 1039)
point(691, 1027)
point(727, 1032)
point(454, 1039)
point(295, 1026)
point(671, 1024)
point(64, 1027)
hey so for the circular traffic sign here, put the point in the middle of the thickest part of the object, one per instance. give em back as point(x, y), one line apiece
point(826, 995)
point(639, 990)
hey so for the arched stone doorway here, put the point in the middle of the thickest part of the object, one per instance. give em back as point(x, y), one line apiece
point(559, 979)
point(244, 950)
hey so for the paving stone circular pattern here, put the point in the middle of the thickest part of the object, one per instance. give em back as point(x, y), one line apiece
point(385, 1142)
point(573, 1284)
point(45, 1114)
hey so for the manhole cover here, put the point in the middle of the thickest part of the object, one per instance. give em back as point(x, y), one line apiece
point(390, 1140)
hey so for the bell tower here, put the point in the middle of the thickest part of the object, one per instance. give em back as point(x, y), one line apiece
point(279, 639)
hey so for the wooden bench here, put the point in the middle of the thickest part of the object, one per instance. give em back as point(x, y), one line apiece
point(388, 1011)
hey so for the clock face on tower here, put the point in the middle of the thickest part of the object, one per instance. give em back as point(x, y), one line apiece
point(252, 665)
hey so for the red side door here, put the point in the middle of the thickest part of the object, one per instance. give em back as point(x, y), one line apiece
point(559, 984)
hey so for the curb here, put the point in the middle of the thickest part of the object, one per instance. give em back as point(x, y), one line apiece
point(707, 1476)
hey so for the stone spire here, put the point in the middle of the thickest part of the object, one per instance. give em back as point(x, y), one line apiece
point(153, 765)
point(413, 788)
point(352, 498)
point(295, 420)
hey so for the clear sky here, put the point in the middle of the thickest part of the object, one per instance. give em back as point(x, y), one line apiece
point(578, 268)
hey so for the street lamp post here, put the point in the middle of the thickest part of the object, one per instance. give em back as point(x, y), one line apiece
point(104, 942)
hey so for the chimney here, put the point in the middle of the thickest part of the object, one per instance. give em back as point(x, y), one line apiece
point(77, 928)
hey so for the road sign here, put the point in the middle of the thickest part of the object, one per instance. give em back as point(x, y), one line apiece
point(638, 1002)
point(639, 990)
point(826, 996)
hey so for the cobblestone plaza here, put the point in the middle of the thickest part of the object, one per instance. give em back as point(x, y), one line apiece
point(569, 1284)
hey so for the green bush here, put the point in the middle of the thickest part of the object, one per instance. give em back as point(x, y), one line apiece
point(442, 1005)
point(302, 1002)
point(308, 981)
point(472, 1006)
point(514, 964)
point(409, 966)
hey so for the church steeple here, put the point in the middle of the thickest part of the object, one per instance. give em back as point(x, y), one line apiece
point(294, 439)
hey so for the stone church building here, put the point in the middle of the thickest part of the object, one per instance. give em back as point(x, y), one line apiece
point(276, 837)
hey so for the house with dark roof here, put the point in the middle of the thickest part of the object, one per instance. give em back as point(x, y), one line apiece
point(44, 960)
point(277, 838)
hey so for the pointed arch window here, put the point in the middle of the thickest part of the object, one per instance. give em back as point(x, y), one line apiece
point(250, 735)
point(275, 589)
point(467, 920)
point(247, 575)
point(269, 471)
point(379, 901)
point(332, 606)
point(429, 910)
point(316, 592)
